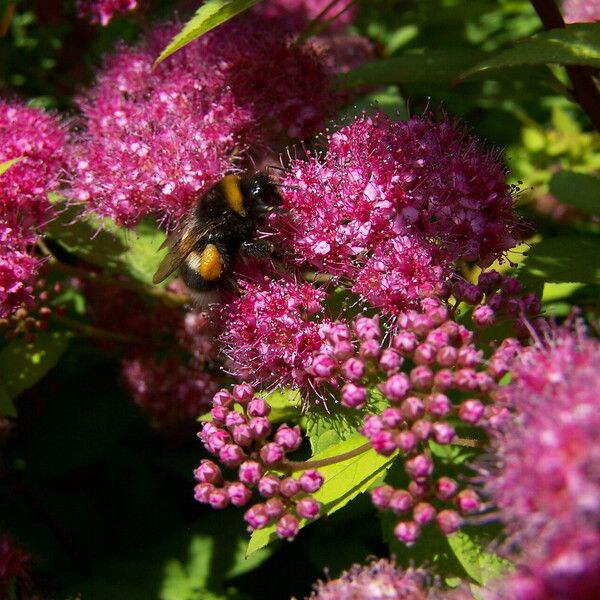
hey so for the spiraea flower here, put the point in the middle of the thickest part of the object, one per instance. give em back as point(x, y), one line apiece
point(37, 139)
point(379, 580)
point(241, 435)
point(155, 140)
point(547, 482)
point(102, 11)
point(271, 332)
point(384, 186)
point(581, 11)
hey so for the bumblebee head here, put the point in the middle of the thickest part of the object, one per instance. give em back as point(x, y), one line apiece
point(262, 193)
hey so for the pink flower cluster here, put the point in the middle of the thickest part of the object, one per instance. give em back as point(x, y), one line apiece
point(240, 435)
point(581, 11)
point(155, 140)
point(379, 580)
point(102, 11)
point(393, 205)
point(38, 140)
point(547, 489)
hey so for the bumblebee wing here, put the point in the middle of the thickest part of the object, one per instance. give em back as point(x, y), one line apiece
point(180, 243)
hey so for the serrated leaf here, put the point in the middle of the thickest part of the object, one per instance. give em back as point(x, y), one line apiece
point(132, 252)
point(578, 44)
point(7, 164)
point(563, 259)
point(7, 406)
point(285, 403)
point(578, 190)
point(343, 482)
point(211, 14)
point(480, 564)
point(411, 68)
point(22, 365)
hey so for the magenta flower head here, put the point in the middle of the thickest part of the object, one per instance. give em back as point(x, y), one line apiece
point(155, 140)
point(270, 334)
point(548, 487)
point(38, 140)
point(378, 580)
point(392, 205)
point(581, 11)
point(102, 11)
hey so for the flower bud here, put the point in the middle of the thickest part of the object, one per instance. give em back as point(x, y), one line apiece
point(396, 387)
point(471, 411)
point(354, 396)
point(443, 433)
point(223, 398)
point(243, 393)
point(250, 472)
point(308, 508)
point(448, 521)
point(311, 481)
point(407, 532)
point(208, 472)
point(268, 486)
point(287, 527)
point(468, 502)
point(421, 377)
point(353, 369)
point(400, 502)
point(238, 494)
point(390, 361)
point(260, 427)
point(423, 513)
point(274, 507)
point(271, 454)
point(257, 407)
point(231, 455)
point(445, 488)
point(288, 437)
point(289, 487)
point(381, 496)
point(419, 467)
point(218, 499)
point(256, 517)
point(438, 405)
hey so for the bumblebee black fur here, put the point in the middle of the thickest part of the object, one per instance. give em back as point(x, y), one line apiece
point(220, 226)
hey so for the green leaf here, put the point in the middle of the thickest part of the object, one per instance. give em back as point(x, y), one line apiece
point(211, 14)
point(22, 365)
point(7, 164)
point(578, 190)
point(132, 252)
point(563, 259)
point(578, 44)
point(285, 403)
point(7, 406)
point(480, 564)
point(343, 482)
point(433, 66)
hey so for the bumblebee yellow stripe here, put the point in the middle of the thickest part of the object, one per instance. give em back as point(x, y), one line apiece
point(210, 265)
point(233, 194)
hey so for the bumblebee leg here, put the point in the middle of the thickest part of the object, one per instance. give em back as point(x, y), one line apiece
point(256, 249)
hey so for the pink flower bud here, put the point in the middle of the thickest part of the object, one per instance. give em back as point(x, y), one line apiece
point(511, 286)
point(446, 356)
point(383, 443)
point(287, 527)
point(438, 405)
point(257, 407)
point(396, 387)
point(353, 369)
point(400, 502)
point(238, 494)
point(202, 492)
point(424, 354)
point(405, 342)
point(354, 396)
point(448, 521)
point(250, 472)
point(367, 328)
point(218, 499)
point(466, 380)
point(419, 489)
point(419, 467)
point(260, 427)
point(271, 454)
point(445, 488)
point(268, 486)
point(468, 357)
point(406, 441)
point(485, 382)
point(372, 425)
point(370, 349)
point(217, 440)
point(256, 517)
point(343, 350)
point(471, 411)
point(489, 281)
point(422, 429)
point(219, 413)
point(484, 316)
point(222, 398)
point(381, 496)
point(288, 437)
point(443, 380)
point(311, 481)
point(472, 294)
point(242, 435)
point(423, 513)
point(421, 377)
point(412, 408)
point(443, 433)
point(231, 455)
point(308, 508)
point(390, 361)
point(421, 324)
point(391, 417)
point(323, 365)
point(208, 472)
point(234, 418)
point(289, 487)
point(407, 532)
point(274, 507)
point(243, 393)
point(438, 338)
point(468, 502)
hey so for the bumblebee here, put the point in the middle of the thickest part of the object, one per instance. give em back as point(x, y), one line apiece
point(221, 225)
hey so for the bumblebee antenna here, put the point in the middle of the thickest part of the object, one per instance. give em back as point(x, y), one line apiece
point(284, 170)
